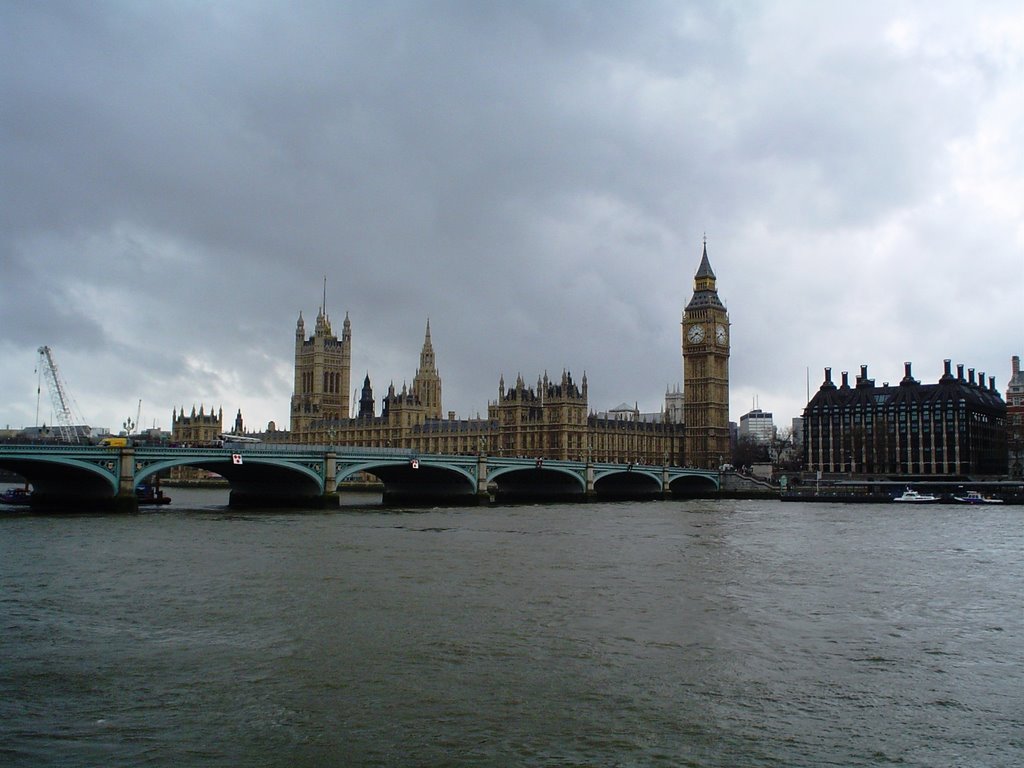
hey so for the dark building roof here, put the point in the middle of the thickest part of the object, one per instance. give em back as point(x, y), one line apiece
point(980, 396)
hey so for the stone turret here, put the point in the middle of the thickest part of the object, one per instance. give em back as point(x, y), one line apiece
point(426, 384)
point(322, 369)
point(366, 405)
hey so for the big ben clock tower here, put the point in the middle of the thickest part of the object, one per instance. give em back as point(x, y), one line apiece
point(706, 372)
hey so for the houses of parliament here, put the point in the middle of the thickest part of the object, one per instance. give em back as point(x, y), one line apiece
point(551, 419)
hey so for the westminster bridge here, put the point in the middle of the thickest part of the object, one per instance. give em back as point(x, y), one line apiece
point(283, 475)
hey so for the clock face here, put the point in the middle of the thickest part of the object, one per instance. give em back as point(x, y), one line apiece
point(720, 334)
point(695, 334)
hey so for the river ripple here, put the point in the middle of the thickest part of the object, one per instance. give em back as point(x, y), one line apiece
point(734, 633)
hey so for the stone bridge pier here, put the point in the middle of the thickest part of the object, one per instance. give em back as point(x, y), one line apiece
point(126, 500)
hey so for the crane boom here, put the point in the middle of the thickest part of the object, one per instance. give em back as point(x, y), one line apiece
point(64, 408)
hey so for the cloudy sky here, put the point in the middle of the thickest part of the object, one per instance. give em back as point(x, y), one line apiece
point(536, 178)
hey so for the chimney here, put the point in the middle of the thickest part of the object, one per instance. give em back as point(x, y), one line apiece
point(846, 380)
point(960, 371)
point(907, 377)
point(1015, 365)
point(827, 385)
point(863, 380)
point(947, 373)
point(970, 375)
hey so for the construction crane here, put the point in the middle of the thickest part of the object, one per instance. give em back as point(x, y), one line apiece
point(65, 411)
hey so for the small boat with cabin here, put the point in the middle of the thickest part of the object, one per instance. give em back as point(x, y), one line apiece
point(976, 497)
point(914, 497)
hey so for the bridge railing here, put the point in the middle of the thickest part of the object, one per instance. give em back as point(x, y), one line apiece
point(300, 449)
point(55, 449)
point(306, 448)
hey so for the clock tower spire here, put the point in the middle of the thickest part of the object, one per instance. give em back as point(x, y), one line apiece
point(706, 371)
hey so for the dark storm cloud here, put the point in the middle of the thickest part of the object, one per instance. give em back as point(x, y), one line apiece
point(535, 178)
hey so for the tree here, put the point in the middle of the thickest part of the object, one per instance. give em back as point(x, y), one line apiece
point(749, 451)
point(784, 452)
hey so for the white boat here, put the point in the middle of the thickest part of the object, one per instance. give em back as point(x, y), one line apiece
point(975, 497)
point(910, 495)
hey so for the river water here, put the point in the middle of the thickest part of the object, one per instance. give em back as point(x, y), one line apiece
point(732, 633)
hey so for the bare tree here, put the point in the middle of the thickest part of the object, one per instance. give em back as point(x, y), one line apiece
point(784, 451)
point(749, 451)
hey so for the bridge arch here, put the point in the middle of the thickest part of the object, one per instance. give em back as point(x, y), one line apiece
point(401, 467)
point(693, 484)
point(406, 480)
point(258, 481)
point(52, 475)
point(227, 469)
point(537, 480)
point(628, 482)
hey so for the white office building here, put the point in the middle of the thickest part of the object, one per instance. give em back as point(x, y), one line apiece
point(757, 426)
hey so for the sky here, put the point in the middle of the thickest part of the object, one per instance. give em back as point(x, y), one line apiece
point(536, 179)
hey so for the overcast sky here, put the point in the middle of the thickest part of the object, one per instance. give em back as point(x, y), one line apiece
point(536, 178)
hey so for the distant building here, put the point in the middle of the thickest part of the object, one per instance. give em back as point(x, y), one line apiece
point(757, 426)
point(151, 436)
point(197, 429)
point(1015, 418)
point(956, 427)
point(798, 430)
point(81, 433)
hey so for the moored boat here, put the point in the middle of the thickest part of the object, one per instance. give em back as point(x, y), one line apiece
point(914, 497)
point(148, 494)
point(976, 497)
point(16, 496)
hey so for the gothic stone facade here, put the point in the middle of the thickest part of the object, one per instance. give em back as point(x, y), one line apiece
point(198, 430)
point(550, 421)
point(553, 421)
point(323, 365)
